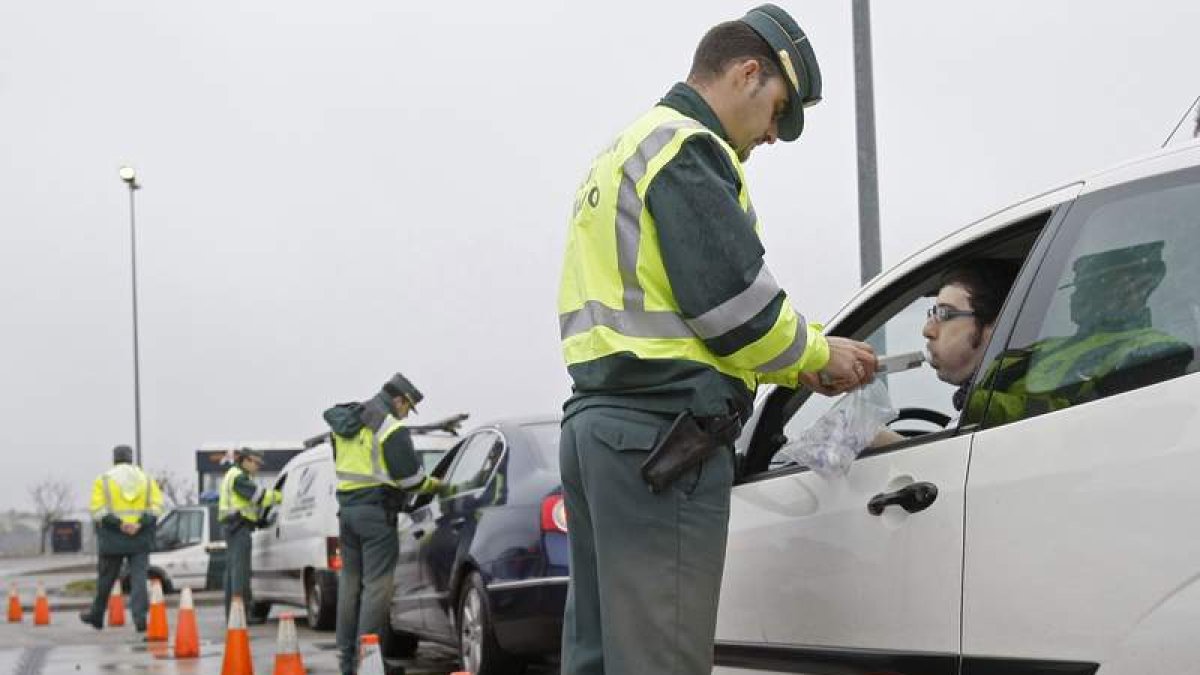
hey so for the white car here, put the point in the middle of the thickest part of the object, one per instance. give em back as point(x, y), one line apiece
point(1060, 540)
point(296, 558)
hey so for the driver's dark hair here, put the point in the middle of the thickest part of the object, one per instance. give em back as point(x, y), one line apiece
point(728, 42)
point(987, 282)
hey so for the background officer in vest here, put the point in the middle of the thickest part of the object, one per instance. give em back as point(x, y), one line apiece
point(1115, 347)
point(669, 319)
point(376, 465)
point(126, 504)
point(242, 503)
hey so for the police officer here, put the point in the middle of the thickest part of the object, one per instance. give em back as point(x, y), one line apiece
point(669, 318)
point(126, 504)
point(242, 504)
point(376, 465)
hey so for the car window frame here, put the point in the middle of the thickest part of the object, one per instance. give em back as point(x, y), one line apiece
point(504, 446)
point(861, 322)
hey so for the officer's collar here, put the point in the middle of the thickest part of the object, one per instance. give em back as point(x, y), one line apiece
point(685, 100)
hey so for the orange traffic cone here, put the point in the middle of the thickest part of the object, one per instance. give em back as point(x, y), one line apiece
point(157, 629)
point(287, 653)
point(237, 642)
point(41, 607)
point(116, 607)
point(370, 658)
point(15, 611)
point(187, 637)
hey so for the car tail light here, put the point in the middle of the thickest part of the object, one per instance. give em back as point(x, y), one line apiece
point(334, 552)
point(554, 514)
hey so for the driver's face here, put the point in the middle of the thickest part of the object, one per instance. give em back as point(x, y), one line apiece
point(955, 346)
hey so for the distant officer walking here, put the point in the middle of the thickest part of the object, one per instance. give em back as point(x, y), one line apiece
point(669, 320)
point(242, 502)
point(126, 504)
point(376, 465)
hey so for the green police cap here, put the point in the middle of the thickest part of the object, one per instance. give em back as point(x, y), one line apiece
point(400, 386)
point(122, 454)
point(1140, 259)
point(243, 453)
point(795, 58)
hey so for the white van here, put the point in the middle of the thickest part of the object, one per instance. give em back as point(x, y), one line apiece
point(295, 560)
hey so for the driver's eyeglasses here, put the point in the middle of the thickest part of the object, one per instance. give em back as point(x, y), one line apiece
point(943, 313)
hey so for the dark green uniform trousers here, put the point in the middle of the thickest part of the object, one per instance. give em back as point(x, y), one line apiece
point(645, 568)
point(237, 563)
point(370, 549)
point(109, 570)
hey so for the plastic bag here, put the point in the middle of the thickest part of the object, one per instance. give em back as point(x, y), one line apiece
point(831, 444)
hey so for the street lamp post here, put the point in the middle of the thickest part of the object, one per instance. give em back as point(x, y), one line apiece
point(130, 177)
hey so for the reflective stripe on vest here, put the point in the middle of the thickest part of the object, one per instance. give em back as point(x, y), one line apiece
point(361, 463)
point(615, 295)
point(108, 509)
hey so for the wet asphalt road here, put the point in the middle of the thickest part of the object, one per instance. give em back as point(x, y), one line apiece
point(68, 646)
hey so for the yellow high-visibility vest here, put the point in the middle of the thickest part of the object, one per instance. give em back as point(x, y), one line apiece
point(125, 491)
point(360, 461)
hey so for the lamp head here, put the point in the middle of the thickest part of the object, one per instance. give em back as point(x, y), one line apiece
point(129, 176)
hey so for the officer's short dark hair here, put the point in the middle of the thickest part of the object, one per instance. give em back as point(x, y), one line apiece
point(726, 43)
point(987, 282)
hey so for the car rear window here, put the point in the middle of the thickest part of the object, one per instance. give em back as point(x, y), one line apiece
point(545, 438)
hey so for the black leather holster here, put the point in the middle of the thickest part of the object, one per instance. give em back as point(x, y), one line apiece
point(688, 442)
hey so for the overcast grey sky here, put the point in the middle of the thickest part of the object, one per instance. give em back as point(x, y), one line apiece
point(335, 191)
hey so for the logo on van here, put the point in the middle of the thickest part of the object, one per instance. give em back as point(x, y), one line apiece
point(307, 478)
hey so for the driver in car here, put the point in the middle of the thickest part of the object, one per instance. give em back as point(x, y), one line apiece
point(959, 325)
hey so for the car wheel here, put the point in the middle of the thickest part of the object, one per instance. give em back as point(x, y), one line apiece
point(477, 646)
point(320, 599)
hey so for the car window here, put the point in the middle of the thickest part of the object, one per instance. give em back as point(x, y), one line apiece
point(475, 461)
point(191, 524)
point(917, 388)
point(166, 534)
point(1115, 306)
point(892, 319)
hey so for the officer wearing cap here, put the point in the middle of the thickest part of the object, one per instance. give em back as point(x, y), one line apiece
point(241, 509)
point(126, 504)
point(1114, 347)
point(666, 308)
point(376, 465)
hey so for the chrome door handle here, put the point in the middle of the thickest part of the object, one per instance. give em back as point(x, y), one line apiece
point(911, 498)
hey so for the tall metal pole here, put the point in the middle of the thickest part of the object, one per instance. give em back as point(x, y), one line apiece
point(130, 177)
point(870, 254)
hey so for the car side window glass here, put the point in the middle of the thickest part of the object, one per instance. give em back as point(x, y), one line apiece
point(475, 462)
point(166, 533)
point(1115, 306)
point(190, 526)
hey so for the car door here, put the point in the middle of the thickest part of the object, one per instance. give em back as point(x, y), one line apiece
point(413, 526)
point(816, 581)
point(1080, 546)
point(193, 558)
point(269, 554)
point(452, 519)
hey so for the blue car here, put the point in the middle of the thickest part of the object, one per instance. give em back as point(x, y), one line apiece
point(483, 564)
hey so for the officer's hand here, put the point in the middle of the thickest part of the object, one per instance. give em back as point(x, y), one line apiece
point(851, 364)
point(430, 486)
